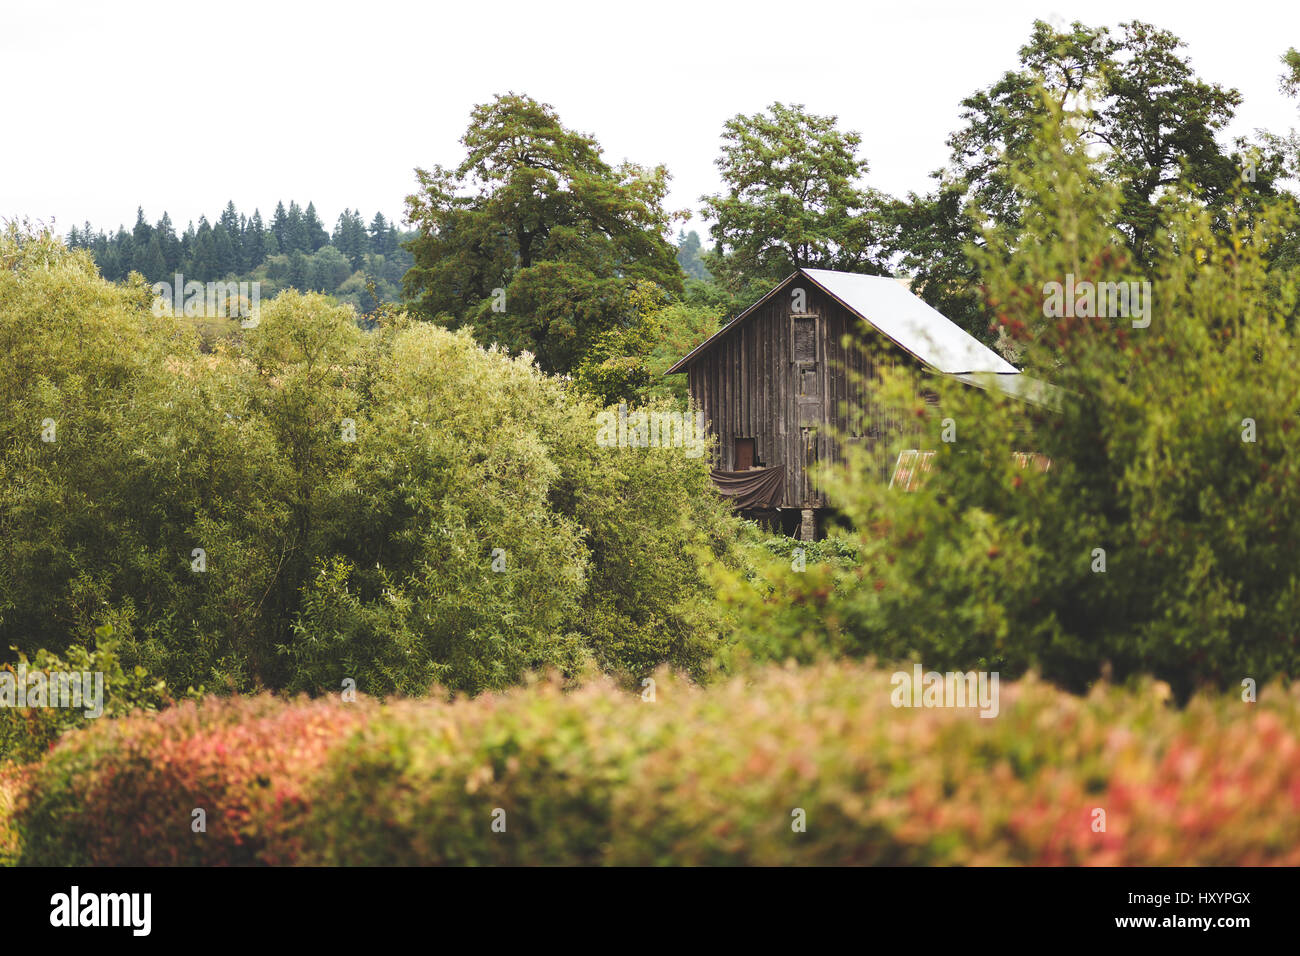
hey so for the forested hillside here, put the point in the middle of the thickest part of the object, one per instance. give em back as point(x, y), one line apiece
point(293, 250)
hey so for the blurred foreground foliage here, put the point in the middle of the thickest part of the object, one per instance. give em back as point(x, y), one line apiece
point(603, 776)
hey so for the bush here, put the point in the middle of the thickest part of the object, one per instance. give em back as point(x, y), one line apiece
point(696, 776)
point(124, 793)
point(11, 786)
point(27, 733)
point(213, 510)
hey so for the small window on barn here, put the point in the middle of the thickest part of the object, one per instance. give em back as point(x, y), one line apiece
point(744, 454)
point(805, 339)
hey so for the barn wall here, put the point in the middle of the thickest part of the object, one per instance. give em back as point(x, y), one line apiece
point(747, 384)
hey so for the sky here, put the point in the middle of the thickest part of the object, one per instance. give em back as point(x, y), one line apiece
point(181, 108)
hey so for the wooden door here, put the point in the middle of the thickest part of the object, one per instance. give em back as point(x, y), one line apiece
point(809, 388)
point(744, 454)
point(808, 371)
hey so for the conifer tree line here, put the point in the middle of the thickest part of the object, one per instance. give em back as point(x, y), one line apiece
point(293, 250)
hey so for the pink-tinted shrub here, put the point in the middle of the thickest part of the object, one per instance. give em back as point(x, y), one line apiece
point(696, 776)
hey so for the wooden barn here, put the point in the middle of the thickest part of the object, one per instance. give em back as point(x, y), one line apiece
point(774, 381)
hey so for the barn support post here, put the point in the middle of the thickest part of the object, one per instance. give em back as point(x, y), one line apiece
point(808, 525)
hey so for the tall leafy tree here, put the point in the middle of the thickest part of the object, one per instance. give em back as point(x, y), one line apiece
point(1137, 103)
point(534, 240)
point(794, 198)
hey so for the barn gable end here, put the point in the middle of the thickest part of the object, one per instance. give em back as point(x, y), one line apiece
point(773, 381)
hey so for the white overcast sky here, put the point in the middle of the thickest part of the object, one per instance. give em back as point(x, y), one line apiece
point(170, 106)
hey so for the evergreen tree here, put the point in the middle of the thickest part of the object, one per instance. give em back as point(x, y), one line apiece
point(280, 227)
point(142, 231)
point(149, 260)
point(238, 245)
point(299, 276)
point(254, 242)
point(350, 237)
point(379, 235)
point(187, 249)
point(203, 264)
point(125, 244)
point(168, 244)
point(230, 218)
point(224, 257)
point(296, 238)
point(314, 229)
point(689, 255)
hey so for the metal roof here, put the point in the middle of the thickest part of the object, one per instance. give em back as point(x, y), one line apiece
point(911, 323)
point(887, 305)
point(1033, 391)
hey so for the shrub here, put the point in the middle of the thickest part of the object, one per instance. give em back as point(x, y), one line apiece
point(125, 792)
point(211, 509)
point(11, 786)
point(27, 733)
point(696, 776)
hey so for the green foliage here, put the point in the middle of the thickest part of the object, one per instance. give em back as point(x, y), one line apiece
point(327, 558)
point(993, 565)
point(614, 369)
point(793, 199)
point(1141, 108)
point(833, 549)
point(293, 252)
point(629, 364)
point(692, 777)
point(680, 327)
point(246, 762)
point(690, 255)
point(27, 733)
point(534, 241)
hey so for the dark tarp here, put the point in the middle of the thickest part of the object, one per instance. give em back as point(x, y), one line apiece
point(758, 488)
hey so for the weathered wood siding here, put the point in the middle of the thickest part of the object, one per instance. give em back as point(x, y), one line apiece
point(748, 385)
